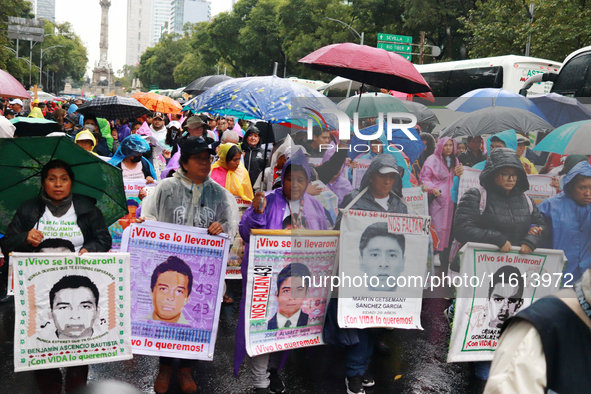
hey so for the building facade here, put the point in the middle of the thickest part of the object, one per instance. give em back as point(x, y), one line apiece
point(160, 19)
point(139, 23)
point(188, 11)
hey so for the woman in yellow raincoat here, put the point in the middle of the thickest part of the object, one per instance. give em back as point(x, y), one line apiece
point(229, 172)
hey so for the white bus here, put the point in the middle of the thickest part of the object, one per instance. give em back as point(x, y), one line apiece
point(452, 79)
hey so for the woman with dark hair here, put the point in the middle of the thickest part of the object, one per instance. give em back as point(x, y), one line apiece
point(229, 172)
point(429, 142)
point(31, 226)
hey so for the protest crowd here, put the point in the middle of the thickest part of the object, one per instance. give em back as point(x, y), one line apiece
point(240, 177)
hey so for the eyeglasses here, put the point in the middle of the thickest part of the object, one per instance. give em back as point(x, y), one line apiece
point(202, 160)
point(507, 176)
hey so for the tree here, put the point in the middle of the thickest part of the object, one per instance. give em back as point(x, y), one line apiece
point(15, 67)
point(157, 64)
point(501, 27)
point(200, 59)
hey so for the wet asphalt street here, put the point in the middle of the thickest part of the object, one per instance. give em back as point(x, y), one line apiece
point(416, 365)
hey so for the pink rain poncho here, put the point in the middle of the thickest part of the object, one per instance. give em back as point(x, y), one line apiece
point(436, 174)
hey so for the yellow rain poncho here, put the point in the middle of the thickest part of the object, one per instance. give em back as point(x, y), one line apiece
point(236, 182)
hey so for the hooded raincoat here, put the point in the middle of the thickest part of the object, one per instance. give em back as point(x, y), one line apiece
point(106, 132)
point(436, 174)
point(505, 217)
point(131, 146)
point(178, 200)
point(570, 224)
point(87, 133)
point(236, 182)
point(367, 202)
point(509, 137)
point(341, 185)
point(272, 219)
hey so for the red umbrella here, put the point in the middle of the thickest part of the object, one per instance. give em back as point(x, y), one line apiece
point(372, 66)
point(408, 97)
point(11, 88)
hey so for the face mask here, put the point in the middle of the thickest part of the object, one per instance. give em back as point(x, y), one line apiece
point(136, 159)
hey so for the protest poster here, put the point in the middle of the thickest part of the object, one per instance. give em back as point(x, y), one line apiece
point(382, 269)
point(132, 190)
point(284, 309)
point(539, 185)
point(359, 171)
point(236, 253)
point(70, 309)
point(417, 200)
point(492, 287)
point(177, 288)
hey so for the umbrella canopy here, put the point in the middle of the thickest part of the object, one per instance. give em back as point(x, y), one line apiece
point(11, 88)
point(494, 120)
point(34, 127)
point(23, 158)
point(426, 118)
point(371, 105)
point(491, 97)
point(569, 139)
point(200, 85)
point(114, 107)
point(158, 103)
point(560, 110)
point(408, 97)
point(372, 66)
point(271, 99)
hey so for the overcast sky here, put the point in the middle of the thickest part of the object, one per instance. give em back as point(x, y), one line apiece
point(85, 17)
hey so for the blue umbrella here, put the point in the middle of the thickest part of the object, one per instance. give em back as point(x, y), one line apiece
point(411, 148)
point(560, 110)
point(271, 99)
point(569, 139)
point(492, 97)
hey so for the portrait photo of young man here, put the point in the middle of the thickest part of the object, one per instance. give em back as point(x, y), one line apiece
point(291, 293)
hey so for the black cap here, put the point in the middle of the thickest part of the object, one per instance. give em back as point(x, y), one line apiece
point(195, 145)
point(72, 118)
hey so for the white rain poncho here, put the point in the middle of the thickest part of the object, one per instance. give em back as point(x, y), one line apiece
point(178, 200)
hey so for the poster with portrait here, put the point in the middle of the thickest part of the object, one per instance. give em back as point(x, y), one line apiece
point(382, 269)
point(70, 309)
point(417, 200)
point(132, 190)
point(359, 171)
point(286, 294)
point(176, 287)
point(236, 253)
point(492, 287)
point(539, 186)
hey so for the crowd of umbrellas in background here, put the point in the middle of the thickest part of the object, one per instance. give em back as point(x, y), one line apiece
point(564, 120)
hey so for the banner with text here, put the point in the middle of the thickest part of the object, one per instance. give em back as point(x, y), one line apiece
point(492, 287)
point(539, 185)
point(132, 191)
point(286, 294)
point(382, 268)
point(359, 171)
point(177, 288)
point(236, 253)
point(417, 200)
point(70, 309)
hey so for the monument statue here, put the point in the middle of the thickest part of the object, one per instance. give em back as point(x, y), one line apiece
point(102, 71)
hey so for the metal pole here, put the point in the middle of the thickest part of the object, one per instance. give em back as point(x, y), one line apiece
point(17, 48)
point(422, 48)
point(531, 20)
point(284, 67)
point(362, 37)
point(41, 68)
point(30, 60)
point(275, 68)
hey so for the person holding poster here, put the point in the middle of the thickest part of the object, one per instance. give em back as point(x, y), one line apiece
point(509, 217)
point(189, 198)
point(288, 207)
point(569, 216)
point(545, 348)
point(380, 189)
point(32, 229)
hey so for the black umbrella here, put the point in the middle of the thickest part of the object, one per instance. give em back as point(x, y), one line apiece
point(114, 107)
point(200, 85)
point(426, 118)
point(34, 127)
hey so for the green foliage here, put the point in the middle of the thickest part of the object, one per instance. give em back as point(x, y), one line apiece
point(501, 27)
point(157, 64)
point(17, 68)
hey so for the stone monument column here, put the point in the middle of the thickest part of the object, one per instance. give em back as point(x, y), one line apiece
point(102, 73)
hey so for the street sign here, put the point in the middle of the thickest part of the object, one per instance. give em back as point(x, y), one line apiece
point(407, 57)
point(395, 47)
point(25, 29)
point(394, 38)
